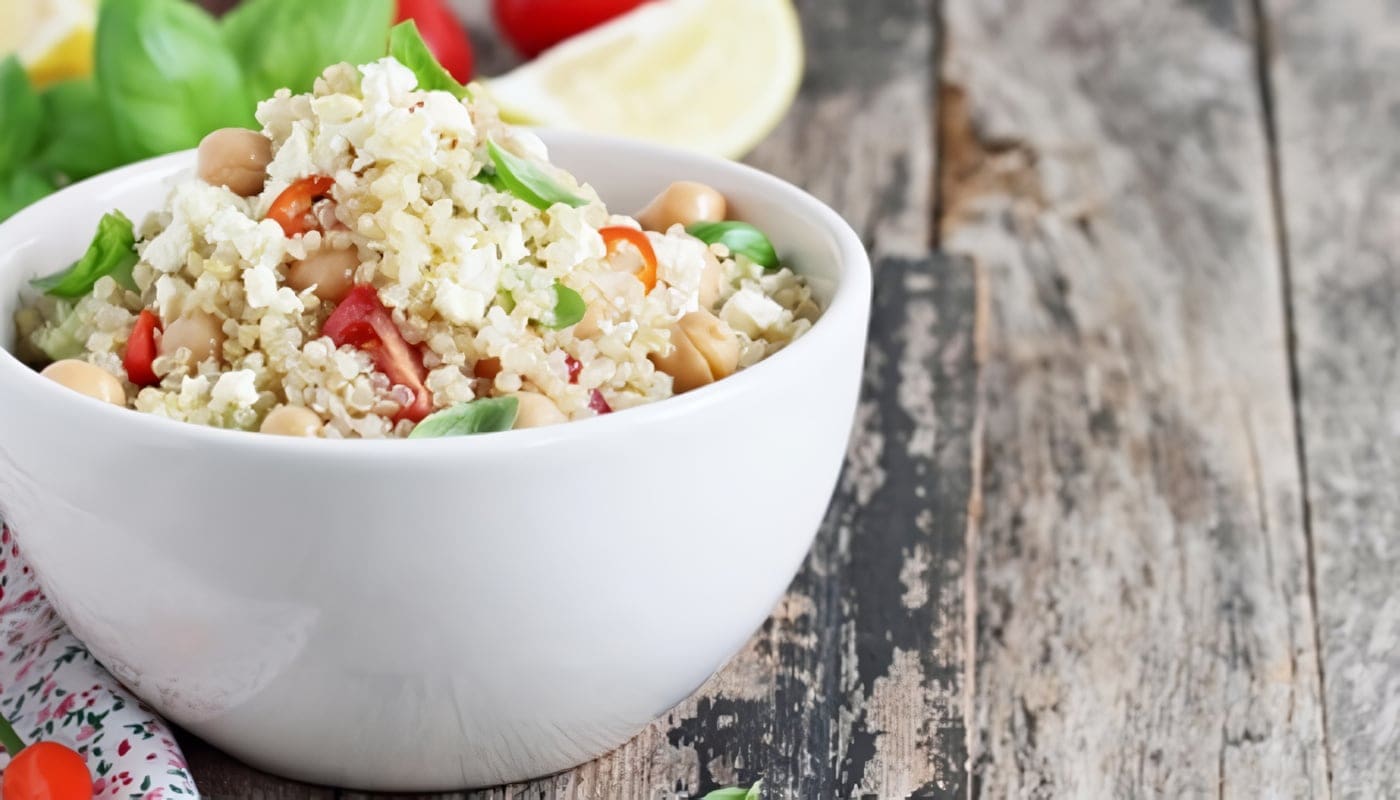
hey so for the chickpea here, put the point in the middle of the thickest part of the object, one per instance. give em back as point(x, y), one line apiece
point(291, 421)
point(587, 328)
point(536, 411)
point(715, 340)
point(89, 379)
point(236, 158)
point(703, 351)
point(332, 272)
point(711, 280)
point(684, 202)
point(198, 331)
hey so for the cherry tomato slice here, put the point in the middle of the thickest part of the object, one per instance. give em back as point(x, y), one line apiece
point(141, 350)
point(533, 26)
point(47, 771)
point(443, 34)
point(362, 321)
point(293, 205)
point(617, 236)
point(598, 403)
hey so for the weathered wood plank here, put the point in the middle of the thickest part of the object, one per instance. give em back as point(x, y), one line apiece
point(854, 686)
point(1144, 621)
point(1337, 101)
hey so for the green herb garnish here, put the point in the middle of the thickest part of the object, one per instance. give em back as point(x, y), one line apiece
point(741, 238)
point(166, 76)
point(483, 415)
point(22, 187)
point(524, 179)
point(406, 45)
point(737, 793)
point(289, 43)
point(77, 131)
point(20, 112)
point(111, 252)
point(569, 308)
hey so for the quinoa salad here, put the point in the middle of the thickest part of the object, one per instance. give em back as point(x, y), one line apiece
point(382, 260)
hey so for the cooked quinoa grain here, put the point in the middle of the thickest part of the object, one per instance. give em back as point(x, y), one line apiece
point(382, 199)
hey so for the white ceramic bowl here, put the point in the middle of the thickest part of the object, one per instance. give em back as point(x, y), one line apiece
point(442, 613)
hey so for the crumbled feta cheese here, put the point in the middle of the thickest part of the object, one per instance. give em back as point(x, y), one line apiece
point(260, 285)
point(192, 388)
point(167, 289)
point(386, 82)
point(751, 312)
point(680, 261)
point(235, 388)
point(458, 304)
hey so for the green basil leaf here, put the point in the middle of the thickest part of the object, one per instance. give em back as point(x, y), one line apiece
point(734, 793)
point(524, 179)
point(569, 308)
point(741, 238)
point(19, 115)
point(166, 76)
point(112, 252)
point(490, 179)
point(77, 131)
point(289, 43)
point(407, 47)
point(21, 188)
point(482, 415)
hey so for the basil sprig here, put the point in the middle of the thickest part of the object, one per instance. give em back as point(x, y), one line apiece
point(737, 793)
point(482, 415)
point(165, 74)
point(524, 179)
point(407, 47)
point(20, 112)
point(568, 309)
point(289, 43)
point(741, 238)
point(111, 252)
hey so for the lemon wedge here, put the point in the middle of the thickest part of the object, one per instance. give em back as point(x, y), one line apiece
point(713, 76)
point(53, 38)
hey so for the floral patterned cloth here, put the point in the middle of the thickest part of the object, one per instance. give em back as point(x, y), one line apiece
point(51, 688)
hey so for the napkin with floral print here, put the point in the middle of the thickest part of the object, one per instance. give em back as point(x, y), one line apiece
point(51, 689)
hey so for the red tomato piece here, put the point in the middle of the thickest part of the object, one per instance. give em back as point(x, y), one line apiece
point(443, 34)
point(598, 403)
point(615, 237)
point(574, 367)
point(141, 350)
point(362, 321)
point(47, 771)
point(533, 26)
point(292, 207)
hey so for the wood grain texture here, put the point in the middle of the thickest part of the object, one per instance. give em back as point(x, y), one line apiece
point(1144, 624)
point(854, 686)
point(1337, 102)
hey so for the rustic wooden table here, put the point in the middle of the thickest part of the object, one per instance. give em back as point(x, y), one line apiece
point(1119, 513)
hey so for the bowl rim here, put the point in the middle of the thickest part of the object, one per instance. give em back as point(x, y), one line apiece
point(850, 304)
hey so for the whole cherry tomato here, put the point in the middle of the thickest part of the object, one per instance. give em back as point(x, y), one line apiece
point(443, 34)
point(47, 771)
point(533, 26)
